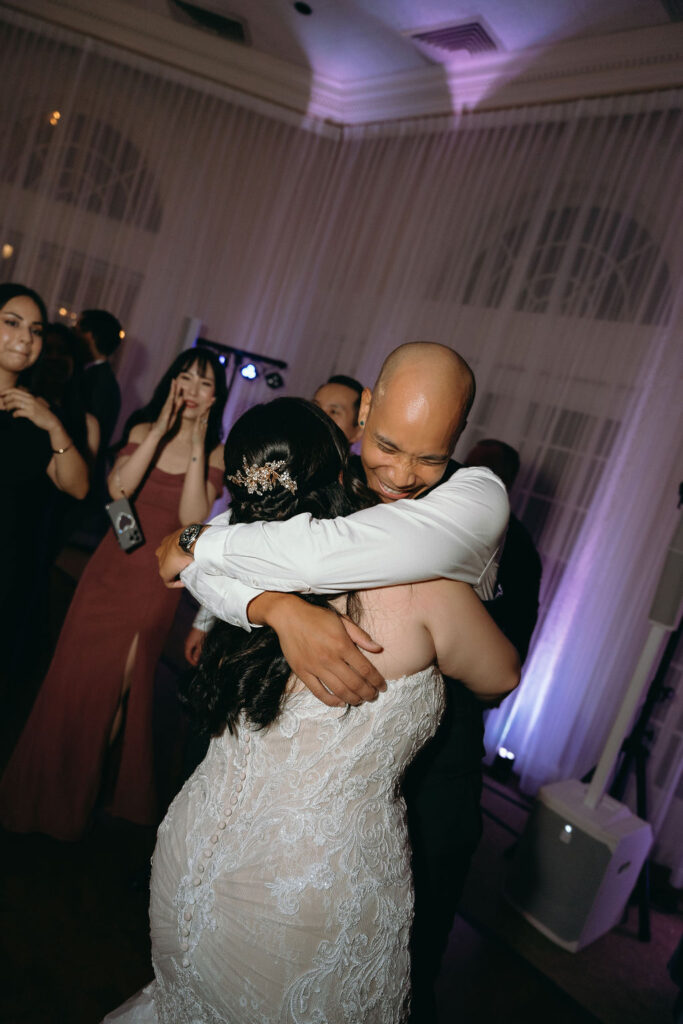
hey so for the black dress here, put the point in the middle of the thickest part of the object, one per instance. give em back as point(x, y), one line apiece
point(25, 452)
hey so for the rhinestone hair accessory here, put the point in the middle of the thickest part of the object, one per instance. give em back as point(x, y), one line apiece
point(259, 479)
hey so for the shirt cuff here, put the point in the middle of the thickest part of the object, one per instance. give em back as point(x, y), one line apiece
point(227, 599)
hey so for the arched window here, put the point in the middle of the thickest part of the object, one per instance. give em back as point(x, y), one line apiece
point(585, 262)
point(88, 163)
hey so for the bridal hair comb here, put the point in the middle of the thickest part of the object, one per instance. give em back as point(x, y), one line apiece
point(259, 479)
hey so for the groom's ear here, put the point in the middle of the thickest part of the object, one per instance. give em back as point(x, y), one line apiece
point(364, 410)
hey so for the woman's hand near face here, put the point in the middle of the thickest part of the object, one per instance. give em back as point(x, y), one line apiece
point(169, 410)
point(23, 405)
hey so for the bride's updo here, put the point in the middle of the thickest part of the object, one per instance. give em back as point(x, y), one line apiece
point(284, 458)
point(281, 459)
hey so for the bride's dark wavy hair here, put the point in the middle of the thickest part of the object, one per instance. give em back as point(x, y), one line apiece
point(246, 672)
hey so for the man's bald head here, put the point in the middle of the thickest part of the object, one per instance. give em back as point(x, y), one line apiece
point(414, 415)
point(432, 370)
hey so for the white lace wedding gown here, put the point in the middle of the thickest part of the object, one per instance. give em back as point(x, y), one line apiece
point(281, 886)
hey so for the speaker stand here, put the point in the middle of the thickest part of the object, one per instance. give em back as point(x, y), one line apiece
point(635, 752)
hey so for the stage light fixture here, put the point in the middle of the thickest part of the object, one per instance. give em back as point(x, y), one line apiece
point(249, 371)
point(274, 380)
point(503, 764)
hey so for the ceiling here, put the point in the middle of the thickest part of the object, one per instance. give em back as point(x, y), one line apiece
point(357, 61)
point(350, 39)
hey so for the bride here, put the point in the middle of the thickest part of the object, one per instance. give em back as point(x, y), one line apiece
point(281, 887)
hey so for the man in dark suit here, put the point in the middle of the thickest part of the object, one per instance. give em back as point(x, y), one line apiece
point(101, 334)
point(340, 399)
point(448, 770)
point(515, 608)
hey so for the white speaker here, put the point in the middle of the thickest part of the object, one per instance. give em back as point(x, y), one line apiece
point(575, 866)
point(581, 852)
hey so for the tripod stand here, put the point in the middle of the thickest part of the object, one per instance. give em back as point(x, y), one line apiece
point(635, 751)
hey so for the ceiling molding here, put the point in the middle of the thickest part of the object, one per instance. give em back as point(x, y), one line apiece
point(178, 46)
point(625, 62)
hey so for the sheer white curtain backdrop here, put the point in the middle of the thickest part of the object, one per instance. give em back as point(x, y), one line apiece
point(543, 244)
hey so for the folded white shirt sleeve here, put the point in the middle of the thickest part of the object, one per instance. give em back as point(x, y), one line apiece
point(220, 597)
point(204, 619)
point(454, 532)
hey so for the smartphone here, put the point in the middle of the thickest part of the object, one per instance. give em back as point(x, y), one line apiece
point(126, 527)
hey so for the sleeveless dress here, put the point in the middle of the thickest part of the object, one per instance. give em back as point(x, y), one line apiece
point(54, 775)
point(25, 452)
point(281, 885)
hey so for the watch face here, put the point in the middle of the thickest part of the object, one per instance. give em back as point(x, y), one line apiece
point(188, 537)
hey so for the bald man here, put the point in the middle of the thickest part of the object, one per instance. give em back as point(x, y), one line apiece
point(411, 422)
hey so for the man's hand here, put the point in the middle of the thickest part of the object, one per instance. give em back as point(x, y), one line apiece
point(194, 642)
point(320, 648)
point(172, 560)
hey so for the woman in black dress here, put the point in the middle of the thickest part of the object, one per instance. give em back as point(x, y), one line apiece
point(35, 448)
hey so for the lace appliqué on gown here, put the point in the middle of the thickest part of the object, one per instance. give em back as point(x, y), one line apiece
point(281, 887)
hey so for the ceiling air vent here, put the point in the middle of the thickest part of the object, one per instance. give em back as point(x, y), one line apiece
point(228, 28)
point(472, 37)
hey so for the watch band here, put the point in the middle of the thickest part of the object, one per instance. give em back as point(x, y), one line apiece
point(189, 536)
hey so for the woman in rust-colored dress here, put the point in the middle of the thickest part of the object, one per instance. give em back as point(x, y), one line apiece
point(99, 687)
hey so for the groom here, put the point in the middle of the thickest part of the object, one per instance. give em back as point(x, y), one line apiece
point(412, 420)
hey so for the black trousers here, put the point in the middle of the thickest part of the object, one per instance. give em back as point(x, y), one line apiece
point(442, 790)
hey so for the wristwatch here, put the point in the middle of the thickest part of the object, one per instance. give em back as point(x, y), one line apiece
point(187, 538)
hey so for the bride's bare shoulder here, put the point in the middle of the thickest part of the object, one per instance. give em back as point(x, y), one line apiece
point(379, 598)
point(388, 610)
point(387, 598)
point(425, 592)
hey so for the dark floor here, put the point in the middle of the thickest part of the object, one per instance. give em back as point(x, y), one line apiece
point(484, 981)
point(74, 939)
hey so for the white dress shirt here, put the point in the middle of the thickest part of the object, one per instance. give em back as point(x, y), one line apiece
point(455, 532)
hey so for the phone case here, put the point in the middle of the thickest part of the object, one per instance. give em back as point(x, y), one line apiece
point(126, 527)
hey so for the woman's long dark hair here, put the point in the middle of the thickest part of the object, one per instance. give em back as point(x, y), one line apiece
point(203, 357)
point(10, 290)
point(240, 671)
